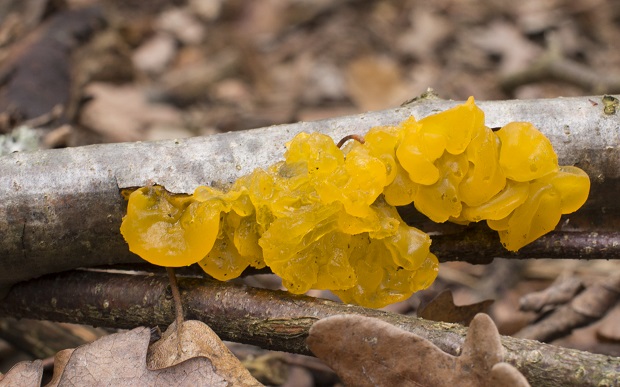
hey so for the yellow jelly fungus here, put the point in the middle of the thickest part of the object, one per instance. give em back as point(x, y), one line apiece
point(325, 217)
point(456, 127)
point(441, 200)
point(169, 230)
point(557, 193)
point(525, 153)
point(401, 191)
point(484, 179)
point(572, 184)
point(356, 183)
point(235, 248)
point(418, 151)
point(499, 206)
point(538, 215)
point(381, 143)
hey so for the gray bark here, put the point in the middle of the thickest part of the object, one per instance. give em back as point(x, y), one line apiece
point(270, 319)
point(62, 209)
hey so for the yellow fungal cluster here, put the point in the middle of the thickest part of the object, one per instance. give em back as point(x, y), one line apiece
point(455, 168)
point(325, 217)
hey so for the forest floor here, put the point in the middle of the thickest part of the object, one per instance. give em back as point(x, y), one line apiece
point(140, 71)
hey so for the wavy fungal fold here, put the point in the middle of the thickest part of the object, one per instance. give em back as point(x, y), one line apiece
point(325, 217)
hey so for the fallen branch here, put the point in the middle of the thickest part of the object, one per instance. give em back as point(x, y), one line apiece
point(271, 319)
point(62, 209)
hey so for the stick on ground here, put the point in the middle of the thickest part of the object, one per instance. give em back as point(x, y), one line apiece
point(61, 209)
point(270, 319)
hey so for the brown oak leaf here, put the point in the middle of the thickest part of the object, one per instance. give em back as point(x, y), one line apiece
point(22, 374)
point(120, 360)
point(609, 329)
point(126, 359)
point(587, 307)
point(561, 291)
point(198, 340)
point(369, 352)
point(442, 308)
point(36, 76)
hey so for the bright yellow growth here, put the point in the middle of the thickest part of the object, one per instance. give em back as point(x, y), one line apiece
point(169, 230)
point(325, 218)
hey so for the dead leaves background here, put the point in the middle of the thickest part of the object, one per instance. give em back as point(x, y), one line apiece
point(127, 359)
point(195, 67)
point(369, 352)
point(363, 351)
point(233, 65)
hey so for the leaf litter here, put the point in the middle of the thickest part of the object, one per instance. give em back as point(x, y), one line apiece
point(263, 50)
point(369, 352)
point(442, 308)
point(127, 359)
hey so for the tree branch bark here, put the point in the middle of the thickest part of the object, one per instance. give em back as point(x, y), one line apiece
point(271, 319)
point(62, 209)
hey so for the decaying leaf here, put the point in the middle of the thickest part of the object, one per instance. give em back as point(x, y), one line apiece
point(505, 39)
point(124, 113)
point(376, 83)
point(270, 368)
point(503, 374)
point(562, 290)
point(198, 340)
point(23, 374)
point(120, 359)
point(587, 307)
point(127, 359)
point(60, 361)
point(610, 326)
point(36, 76)
point(442, 308)
point(369, 352)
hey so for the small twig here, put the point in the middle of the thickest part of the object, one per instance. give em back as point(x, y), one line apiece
point(41, 234)
point(270, 319)
point(355, 137)
point(178, 307)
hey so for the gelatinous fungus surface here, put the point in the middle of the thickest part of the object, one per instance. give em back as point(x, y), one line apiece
point(325, 217)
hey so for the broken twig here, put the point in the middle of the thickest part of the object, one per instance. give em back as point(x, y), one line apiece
point(270, 319)
point(62, 208)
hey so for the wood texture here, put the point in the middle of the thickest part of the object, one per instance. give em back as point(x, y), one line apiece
point(62, 209)
point(271, 319)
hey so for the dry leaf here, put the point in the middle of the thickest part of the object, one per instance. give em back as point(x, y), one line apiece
point(270, 368)
point(503, 374)
point(428, 30)
point(376, 83)
point(120, 360)
point(442, 308)
point(610, 326)
point(198, 340)
point(503, 38)
point(369, 352)
point(23, 374)
point(182, 24)
point(36, 76)
point(60, 361)
point(587, 307)
point(127, 359)
point(562, 290)
point(155, 54)
point(123, 113)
